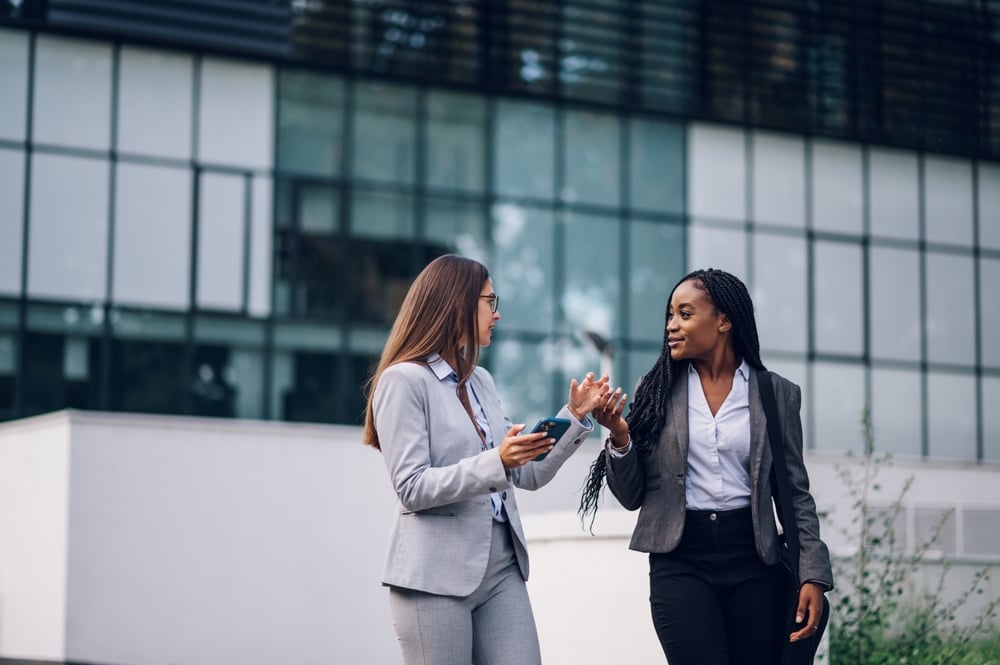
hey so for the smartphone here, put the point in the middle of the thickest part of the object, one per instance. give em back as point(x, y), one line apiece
point(554, 427)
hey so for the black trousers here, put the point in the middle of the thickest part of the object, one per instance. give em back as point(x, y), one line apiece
point(714, 602)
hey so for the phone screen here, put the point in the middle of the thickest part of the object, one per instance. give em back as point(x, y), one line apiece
point(554, 427)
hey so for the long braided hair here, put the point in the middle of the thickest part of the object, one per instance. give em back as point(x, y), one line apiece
point(648, 411)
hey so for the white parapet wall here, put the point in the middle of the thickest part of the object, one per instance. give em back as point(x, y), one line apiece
point(128, 540)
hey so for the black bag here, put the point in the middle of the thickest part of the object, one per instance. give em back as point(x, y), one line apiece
point(803, 651)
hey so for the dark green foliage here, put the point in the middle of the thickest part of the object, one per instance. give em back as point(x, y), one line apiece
point(878, 616)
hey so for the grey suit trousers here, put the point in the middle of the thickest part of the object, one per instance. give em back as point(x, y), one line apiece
point(492, 626)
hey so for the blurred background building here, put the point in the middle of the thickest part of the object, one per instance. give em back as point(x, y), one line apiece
point(214, 208)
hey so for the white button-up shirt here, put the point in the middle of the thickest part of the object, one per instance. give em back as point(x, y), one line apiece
point(718, 460)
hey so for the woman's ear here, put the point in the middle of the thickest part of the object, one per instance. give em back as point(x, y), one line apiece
point(725, 325)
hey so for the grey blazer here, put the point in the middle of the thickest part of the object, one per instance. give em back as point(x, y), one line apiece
point(655, 484)
point(440, 539)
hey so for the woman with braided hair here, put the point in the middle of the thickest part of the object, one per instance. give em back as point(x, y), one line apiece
point(693, 456)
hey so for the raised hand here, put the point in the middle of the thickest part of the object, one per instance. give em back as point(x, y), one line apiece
point(609, 414)
point(585, 396)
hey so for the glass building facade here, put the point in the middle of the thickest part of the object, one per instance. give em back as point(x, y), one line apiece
point(215, 209)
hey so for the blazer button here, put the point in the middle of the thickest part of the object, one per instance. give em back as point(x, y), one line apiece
point(493, 489)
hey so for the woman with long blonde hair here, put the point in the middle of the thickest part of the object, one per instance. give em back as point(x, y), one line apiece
point(457, 561)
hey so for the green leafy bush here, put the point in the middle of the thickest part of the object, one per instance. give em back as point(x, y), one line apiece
point(878, 616)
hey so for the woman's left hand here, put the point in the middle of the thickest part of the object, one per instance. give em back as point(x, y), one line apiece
point(585, 396)
point(811, 608)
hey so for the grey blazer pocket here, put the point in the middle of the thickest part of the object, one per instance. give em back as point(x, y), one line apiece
point(440, 511)
point(653, 482)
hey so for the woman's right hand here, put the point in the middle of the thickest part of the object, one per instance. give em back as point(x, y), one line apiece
point(519, 449)
point(609, 415)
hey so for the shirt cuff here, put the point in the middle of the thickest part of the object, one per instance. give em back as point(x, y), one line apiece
point(586, 423)
point(825, 586)
point(618, 453)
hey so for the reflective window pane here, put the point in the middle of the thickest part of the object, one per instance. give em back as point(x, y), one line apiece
point(72, 74)
point(221, 222)
point(152, 236)
point(837, 194)
point(259, 298)
point(951, 315)
point(525, 152)
point(149, 372)
point(382, 215)
point(14, 74)
point(385, 134)
point(8, 358)
point(235, 124)
point(592, 164)
point(62, 358)
point(778, 180)
point(589, 58)
point(68, 258)
point(717, 247)
point(838, 298)
point(524, 272)
point(796, 372)
point(310, 123)
point(838, 400)
point(456, 141)
point(893, 189)
point(948, 200)
point(989, 205)
point(154, 103)
point(991, 418)
point(457, 227)
point(591, 292)
point(308, 371)
point(305, 255)
point(12, 216)
point(228, 372)
point(382, 256)
point(656, 262)
point(716, 172)
point(989, 311)
point(656, 169)
point(951, 416)
point(894, 303)
point(639, 362)
point(897, 402)
point(779, 292)
point(525, 377)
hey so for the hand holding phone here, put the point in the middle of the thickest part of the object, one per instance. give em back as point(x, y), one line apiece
point(553, 427)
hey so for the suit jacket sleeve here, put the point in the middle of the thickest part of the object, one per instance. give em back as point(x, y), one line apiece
point(814, 556)
point(425, 473)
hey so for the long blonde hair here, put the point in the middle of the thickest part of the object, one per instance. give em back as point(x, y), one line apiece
point(438, 315)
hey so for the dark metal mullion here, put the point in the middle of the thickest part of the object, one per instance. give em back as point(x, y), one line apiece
point(107, 336)
point(866, 283)
point(22, 302)
point(807, 156)
point(196, 171)
point(267, 350)
point(561, 209)
point(922, 279)
point(247, 231)
point(977, 293)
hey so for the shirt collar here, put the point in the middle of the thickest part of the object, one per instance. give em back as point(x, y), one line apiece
point(743, 371)
point(442, 370)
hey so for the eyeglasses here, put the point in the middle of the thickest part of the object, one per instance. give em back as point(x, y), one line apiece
point(494, 301)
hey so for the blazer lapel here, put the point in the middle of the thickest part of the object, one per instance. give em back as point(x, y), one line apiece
point(679, 415)
point(758, 430)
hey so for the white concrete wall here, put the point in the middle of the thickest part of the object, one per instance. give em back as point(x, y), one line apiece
point(34, 501)
point(149, 540)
